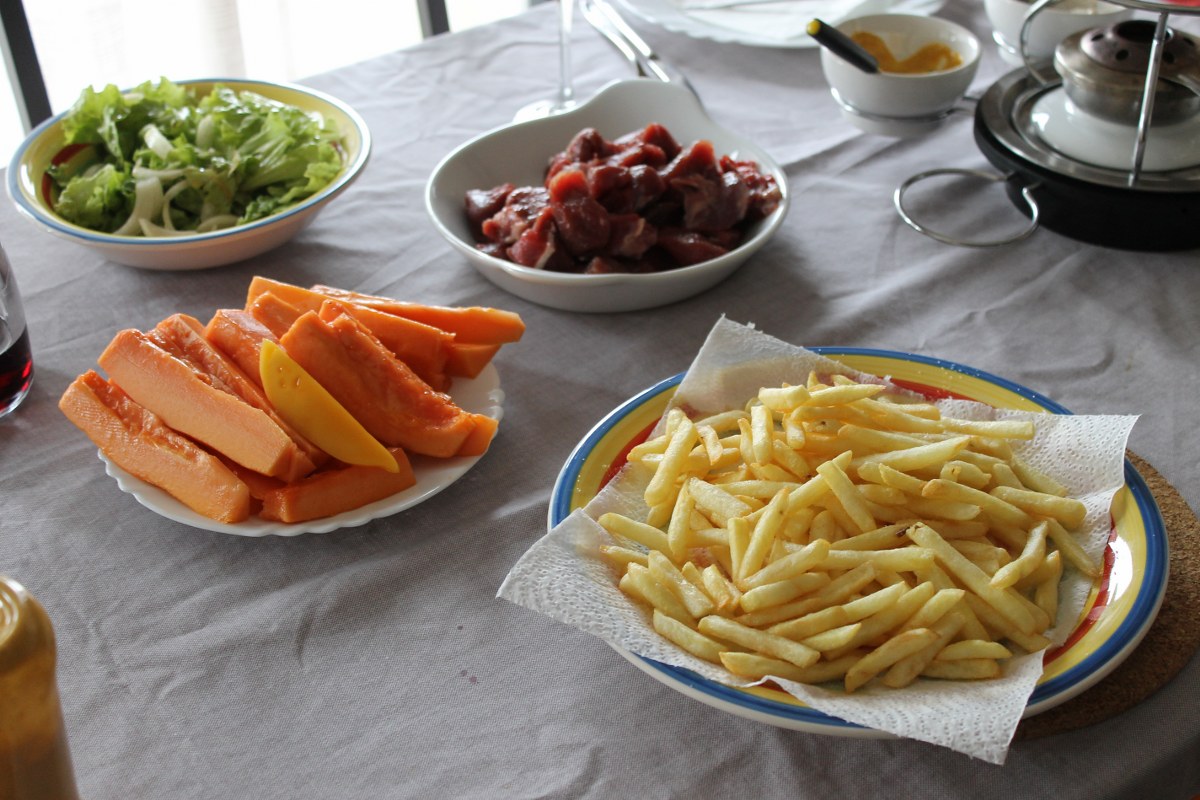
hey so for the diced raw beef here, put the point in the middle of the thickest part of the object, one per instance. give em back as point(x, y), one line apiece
point(537, 246)
point(520, 209)
point(638, 203)
point(689, 247)
point(582, 222)
point(712, 203)
point(483, 204)
point(654, 135)
point(630, 236)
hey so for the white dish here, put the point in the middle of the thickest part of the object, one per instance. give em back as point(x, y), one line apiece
point(902, 104)
point(519, 154)
point(480, 395)
point(1050, 26)
point(1087, 138)
point(772, 24)
point(28, 190)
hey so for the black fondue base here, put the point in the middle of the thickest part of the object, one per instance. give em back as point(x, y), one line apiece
point(1120, 218)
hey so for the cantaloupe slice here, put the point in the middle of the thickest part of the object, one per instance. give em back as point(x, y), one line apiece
point(335, 490)
point(307, 407)
point(380, 391)
point(468, 360)
point(193, 404)
point(183, 337)
point(296, 296)
point(422, 347)
point(140, 443)
point(469, 324)
point(274, 312)
point(238, 334)
point(481, 437)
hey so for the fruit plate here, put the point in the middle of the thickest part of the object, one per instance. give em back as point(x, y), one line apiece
point(1117, 614)
point(480, 395)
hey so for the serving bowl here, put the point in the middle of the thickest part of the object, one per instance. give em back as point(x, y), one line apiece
point(1049, 26)
point(519, 154)
point(30, 189)
point(902, 104)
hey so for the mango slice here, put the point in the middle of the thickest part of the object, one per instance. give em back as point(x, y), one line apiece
point(315, 414)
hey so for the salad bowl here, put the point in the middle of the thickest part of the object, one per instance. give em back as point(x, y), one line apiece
point(519, 154)
point(35, 192)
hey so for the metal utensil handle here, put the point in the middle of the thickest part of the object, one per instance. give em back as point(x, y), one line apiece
point(1026, 194)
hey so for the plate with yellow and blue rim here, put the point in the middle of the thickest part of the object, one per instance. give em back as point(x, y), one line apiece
point(1119, 610)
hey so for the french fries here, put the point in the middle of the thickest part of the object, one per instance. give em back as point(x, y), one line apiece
point(838, 531)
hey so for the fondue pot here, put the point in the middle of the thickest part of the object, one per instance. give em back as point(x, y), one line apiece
point(1102, 143)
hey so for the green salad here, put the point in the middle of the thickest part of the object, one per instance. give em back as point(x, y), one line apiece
point(170, 163)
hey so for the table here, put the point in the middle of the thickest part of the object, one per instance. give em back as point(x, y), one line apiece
point(376, 661)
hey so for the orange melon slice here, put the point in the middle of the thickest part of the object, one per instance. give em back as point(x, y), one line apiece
point(334, 491)
point(274, 312)
point(422, 347)
point(196, 404)
point(380, 391)
point(183, 337)
point(140, 443)
point(469, 324)
point(238, 335)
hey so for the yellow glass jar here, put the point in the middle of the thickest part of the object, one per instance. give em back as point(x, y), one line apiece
point(35, 763)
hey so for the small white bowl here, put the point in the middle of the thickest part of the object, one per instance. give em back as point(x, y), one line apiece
point(29, 189)
point(894, 104)
point(519, 154)
point(1049, 27)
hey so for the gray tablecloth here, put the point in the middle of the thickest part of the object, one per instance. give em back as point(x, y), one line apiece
point(376, 661)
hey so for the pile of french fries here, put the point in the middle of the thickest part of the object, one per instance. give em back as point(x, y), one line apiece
point(847, 531)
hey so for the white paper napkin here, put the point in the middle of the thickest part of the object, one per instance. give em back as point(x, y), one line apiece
point(563, 577)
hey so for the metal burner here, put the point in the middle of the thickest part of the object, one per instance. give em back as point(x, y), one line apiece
point(1157, 211)
point(1004, 112)
point(1104, 72)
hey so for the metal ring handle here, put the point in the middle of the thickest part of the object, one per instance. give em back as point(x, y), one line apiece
point(1023, 40)
point(1026, 194)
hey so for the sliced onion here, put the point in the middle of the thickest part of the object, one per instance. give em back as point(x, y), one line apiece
point(204, 131)
point(217, 222)
point(149, 229)
point(155, 140)
point(168, 196)
point(147, 204)
point(162, 174)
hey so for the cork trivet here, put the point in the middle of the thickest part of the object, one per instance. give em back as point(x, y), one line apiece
point(1168, 645)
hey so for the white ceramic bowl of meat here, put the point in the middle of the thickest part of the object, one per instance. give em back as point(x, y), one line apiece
point(519, 154)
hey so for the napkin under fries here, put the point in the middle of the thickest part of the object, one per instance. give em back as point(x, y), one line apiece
point(564, 576)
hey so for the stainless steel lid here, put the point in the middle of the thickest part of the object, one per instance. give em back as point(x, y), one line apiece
point(1104, 70)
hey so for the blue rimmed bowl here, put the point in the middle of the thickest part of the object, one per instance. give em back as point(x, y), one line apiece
point(30, 189)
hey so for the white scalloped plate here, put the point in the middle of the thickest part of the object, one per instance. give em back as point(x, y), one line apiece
point(481, 395)
point(760, 26)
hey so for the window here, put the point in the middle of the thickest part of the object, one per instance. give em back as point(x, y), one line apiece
point(126, 42)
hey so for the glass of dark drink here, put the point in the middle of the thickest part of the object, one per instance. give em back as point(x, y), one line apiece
point(16, 358)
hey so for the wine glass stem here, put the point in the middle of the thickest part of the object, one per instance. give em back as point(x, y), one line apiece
point(566, 83)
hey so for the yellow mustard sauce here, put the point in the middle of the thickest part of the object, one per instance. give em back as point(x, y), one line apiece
point(933, 57)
